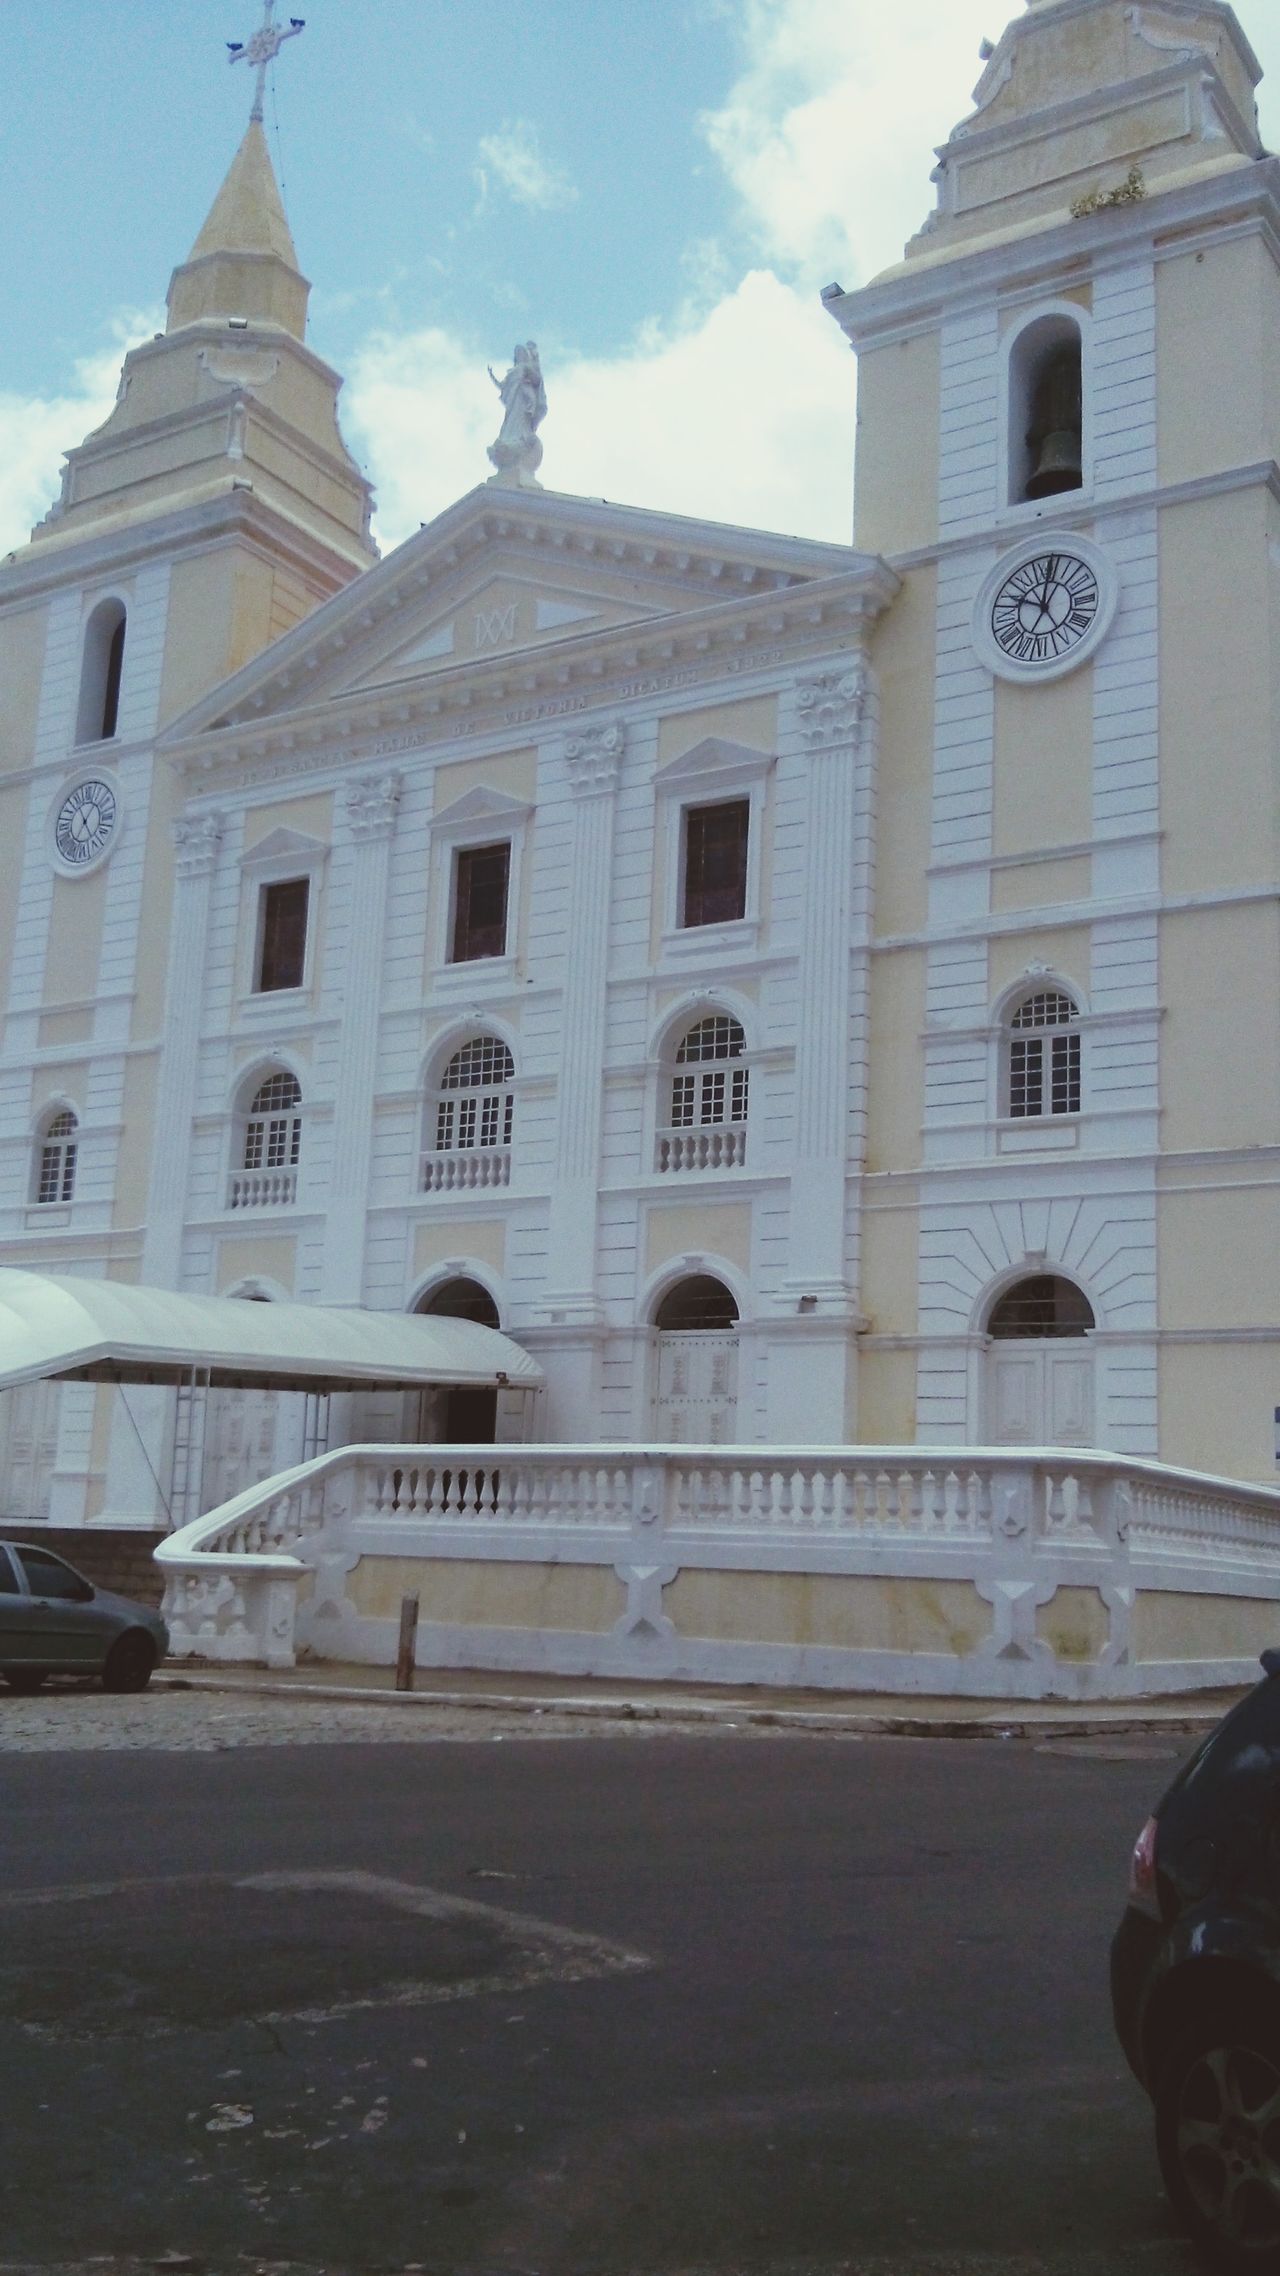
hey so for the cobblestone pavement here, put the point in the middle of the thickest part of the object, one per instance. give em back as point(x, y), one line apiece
point(72, 1717)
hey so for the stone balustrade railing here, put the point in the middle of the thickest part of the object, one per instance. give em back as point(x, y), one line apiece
point(720, 1146)
point(262, 1189)
point(1016, 1531)
point(466, 1169)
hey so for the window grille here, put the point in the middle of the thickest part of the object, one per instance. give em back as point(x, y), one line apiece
point(1044, 1305)
point(719, 1092)
point(1044, 1056)
point(56, 1173)
point(273, 1131)
point(476, 1106)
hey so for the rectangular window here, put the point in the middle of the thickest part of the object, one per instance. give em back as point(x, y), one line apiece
point(1066, 1075)
point(480, 903)
point(1026, 1058)
point(715, 863)
point(57, 1173)
point(282, 955)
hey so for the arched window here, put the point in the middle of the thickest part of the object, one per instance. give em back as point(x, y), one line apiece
point(1042, 1306)
point(461, 1299)
point(471, 1119)
point(699, 1305)
point(709, 1091)
point(100, 672)
point(271, 1146)
point(460, 1414)
point(1046, 409)
point(55, 1178)
point(1042, 1056)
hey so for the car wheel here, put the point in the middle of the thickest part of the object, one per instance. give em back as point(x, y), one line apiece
point(129, 1663)
point(1218, 2138)
point(24, 1678)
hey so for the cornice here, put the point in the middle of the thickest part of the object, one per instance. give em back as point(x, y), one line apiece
point(505, 696)
point(918, 292)
point(1000, 536)
point(49, 564)
point(662, 550)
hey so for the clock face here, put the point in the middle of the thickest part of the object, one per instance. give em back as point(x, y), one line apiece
point(85, 823)
point(1045, 609)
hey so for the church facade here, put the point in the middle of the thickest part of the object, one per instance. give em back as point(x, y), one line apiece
point(800, 993)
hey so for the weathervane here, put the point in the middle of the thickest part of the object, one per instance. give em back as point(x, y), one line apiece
point(263, 49)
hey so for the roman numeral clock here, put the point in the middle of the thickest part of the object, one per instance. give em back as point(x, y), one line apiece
point(1045, 607)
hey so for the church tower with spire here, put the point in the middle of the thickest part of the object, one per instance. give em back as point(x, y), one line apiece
point(215, 508)
point(1068, 440)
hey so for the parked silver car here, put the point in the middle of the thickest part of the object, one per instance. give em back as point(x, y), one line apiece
point(55, 1622)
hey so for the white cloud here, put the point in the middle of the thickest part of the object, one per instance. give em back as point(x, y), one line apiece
point(743, 416)
point(512, 159)
point(37, 431)
point(828, 132)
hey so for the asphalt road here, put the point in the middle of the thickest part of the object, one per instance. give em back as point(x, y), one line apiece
point(577, 2008)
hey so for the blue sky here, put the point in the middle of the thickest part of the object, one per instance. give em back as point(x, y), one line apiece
point(655, 191)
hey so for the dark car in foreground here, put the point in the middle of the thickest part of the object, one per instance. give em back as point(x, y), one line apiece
point(1195, 1983)
point(55, 1622)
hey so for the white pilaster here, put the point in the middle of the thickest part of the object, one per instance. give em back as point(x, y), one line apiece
point(371, 803)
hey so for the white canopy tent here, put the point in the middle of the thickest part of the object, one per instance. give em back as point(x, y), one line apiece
point(110, 1331)
point(73, 1330)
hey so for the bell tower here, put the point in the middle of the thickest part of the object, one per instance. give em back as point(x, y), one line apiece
point(1067, 443)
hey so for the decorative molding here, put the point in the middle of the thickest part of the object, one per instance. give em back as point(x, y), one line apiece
point(372, 802)
point(830, 706)
point(991, 84)
point(197, 839)
point(1186, 51)
point(593, 756)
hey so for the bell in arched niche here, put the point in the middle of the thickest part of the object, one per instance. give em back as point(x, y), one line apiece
point(1055, 437)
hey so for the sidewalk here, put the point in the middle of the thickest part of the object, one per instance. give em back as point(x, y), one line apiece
point(855, 1714)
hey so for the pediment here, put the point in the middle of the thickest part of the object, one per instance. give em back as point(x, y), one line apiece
point(285, 845)
point(500, 575)
point(483, 806)
point(714, 756)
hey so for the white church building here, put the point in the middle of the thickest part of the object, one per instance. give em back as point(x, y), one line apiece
point(796, 992)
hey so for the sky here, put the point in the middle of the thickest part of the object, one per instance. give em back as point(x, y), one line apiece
point(654, 190)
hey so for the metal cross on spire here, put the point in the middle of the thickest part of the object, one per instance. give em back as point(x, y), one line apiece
point(263, 48)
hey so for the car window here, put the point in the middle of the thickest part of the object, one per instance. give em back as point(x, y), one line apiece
point(48, 1576)
point(9, 1583)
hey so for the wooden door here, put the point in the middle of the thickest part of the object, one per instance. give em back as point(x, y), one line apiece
point(696, 1402)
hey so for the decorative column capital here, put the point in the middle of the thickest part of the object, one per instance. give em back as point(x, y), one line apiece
point(593, 756)
point(371, 802)
point(196, 839)
point(830, 705)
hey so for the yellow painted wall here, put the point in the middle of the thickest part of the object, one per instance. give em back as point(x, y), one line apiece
point(1219, 805)
point(22, 645)
point(688, 1228)
point(1075, 1624)
point(1038, 884)
point(1217, 1408)
point(895, 492)
point(60, 1030)
point(1064, 948)
point(484, 1238)
point(890, 1248)
point(903, 648)
point(473, 1594)
point(869, 1614)
point(75, 938)
point(513, 773)
point(134, 1160)
point(13, 824)
point(1171, 1627)
point(268, 1257)
point(311, 817)
point(1043, 784)
point(886, 1397)
point(1220, 1037)
point(753, 720)
point(198, 646)
point(895, 1091)
point(1216, 317)
point(1197, 1229)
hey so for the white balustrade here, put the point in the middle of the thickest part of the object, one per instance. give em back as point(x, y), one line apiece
point(262, 1189)
point(466, 1169)
point(1015, 1524)
point(720, 1146)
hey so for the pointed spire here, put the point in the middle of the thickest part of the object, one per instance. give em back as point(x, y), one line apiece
point(243, 263)
point(248, 216)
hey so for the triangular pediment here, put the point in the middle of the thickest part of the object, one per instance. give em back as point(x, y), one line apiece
point(285, 845)
point(713, 756)
point(508, 575)
point(480, 805)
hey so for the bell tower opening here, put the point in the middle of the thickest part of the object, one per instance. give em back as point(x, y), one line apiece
point(1046, 406)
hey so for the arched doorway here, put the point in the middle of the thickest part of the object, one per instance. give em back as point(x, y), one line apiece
point(1040, 1366)
point(696, 1364)
point(462, 1414)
